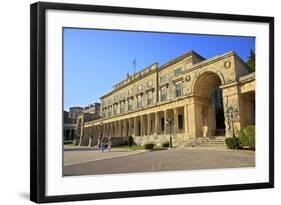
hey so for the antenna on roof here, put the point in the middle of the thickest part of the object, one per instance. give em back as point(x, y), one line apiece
point(134, 63)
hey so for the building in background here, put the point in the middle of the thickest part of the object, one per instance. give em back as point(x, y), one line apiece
point(92, 109)
point(88, 113)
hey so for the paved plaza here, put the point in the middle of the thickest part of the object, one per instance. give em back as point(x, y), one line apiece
point(79, 155)
point(88, 161)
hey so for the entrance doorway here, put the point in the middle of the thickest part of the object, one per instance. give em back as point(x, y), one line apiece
point(209, 105)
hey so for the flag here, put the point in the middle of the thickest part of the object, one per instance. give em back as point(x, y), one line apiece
point(134, 63)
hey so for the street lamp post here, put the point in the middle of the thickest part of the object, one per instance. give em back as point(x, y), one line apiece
point(169, 122)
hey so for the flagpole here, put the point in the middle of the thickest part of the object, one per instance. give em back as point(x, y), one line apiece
point(134, 63)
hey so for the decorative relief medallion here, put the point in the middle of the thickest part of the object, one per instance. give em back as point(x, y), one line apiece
point(227, 64)
point(188, 78)
point(188, 91)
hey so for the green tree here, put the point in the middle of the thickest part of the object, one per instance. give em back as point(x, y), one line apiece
point(251, 62)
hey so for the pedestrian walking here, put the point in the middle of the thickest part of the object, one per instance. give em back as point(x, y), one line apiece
point(109, 143)
point(102, 143)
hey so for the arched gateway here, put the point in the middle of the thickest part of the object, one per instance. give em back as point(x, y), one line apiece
point(210, 120)
point(186, 98)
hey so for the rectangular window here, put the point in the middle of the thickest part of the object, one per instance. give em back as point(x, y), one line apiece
point(139, 101)
point(129, 104)
point(149, 83)
point(180, 122)
point(149, 98)
point(121, 107)
point(163, 78)
point(178, 89)
point(162, 124)
point(178, 71)
point(115, 109)
point(163, 94)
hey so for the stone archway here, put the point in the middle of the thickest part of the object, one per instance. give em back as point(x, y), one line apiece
point(208, 102)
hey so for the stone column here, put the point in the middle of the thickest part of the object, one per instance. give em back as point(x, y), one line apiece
point(95, 131)
point(148, 124)
point(144, 125)
point(156, 124)
point(141, 125)
point(135, 126)
point(193, 122)
point(124, 128)
point(81, 135)
point(165, 118)
point(111, 129)
point(90, 136)
point(103, 129)
point(119, 128)
point(130, 127)
point(82, 130)
point(186, 128)
point(175, 120)
point(108, 129)
point(114, 128)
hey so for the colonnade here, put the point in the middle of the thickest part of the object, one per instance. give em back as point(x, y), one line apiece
point(154, 123)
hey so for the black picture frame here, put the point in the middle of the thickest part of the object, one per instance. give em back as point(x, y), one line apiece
point(38, 111)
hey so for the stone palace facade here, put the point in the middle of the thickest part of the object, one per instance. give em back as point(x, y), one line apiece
point(189, 97)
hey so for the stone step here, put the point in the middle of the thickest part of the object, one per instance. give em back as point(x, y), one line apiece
point(213, 141)
point(208, 140)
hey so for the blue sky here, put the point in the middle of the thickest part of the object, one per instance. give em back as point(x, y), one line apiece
point(95, 60)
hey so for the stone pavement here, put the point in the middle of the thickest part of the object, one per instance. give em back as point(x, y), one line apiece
point(79, 155)
point(165, 160)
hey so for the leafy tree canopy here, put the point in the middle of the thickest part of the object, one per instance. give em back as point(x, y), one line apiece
point(251, 62)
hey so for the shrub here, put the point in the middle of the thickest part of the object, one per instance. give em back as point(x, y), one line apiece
point(125, 143)
point(149, 146)
point(68, 142)
point(119, 141)
point(233, 143)
point(165, 144)
point(130, 141)
point(247, 137)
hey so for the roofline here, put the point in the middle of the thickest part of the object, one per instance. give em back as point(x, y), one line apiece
point(133, 81)
point(248, 77)
point(169, 63)
point(215, 59)
point(178, 59)
point(137, 73)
